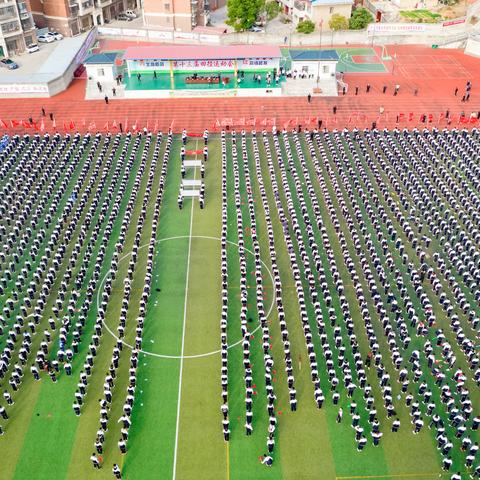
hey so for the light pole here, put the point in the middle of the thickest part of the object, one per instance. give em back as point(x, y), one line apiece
point(320, 52)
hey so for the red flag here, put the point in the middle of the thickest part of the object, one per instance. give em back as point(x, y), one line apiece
point(92, 126)
point(14, 123)
point(134, 126)
point(155, 128)
point(54, 124)
point(84, 123)
point(42, 126)
point(105, 127)
point(26, 124)
point(125, 128)
point(3, 124)
point(72, 125)
point(114, 125)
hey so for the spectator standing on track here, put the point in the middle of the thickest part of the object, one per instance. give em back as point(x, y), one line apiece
point(43, 112)
point(334, 109)
point(384, 90)
point(456, 91)
point(51, 116)
point(415, 92)
point(114, 91)
point(356, 90)
point(99, 86)
point(309, 98)
point(397, 88)
point(368, 88)
point(106, 99)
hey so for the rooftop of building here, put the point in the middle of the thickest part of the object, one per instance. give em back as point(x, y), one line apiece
point(101, 58)
point(313, 55)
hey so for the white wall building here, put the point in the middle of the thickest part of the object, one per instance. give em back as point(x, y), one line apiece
point(101, 67)
point(322, 63)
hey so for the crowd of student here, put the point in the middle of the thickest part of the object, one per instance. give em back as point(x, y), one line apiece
point(139, 321)
point(430, 381)
point(402, 207)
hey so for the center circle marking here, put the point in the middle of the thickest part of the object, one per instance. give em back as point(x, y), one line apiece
point(214, 352)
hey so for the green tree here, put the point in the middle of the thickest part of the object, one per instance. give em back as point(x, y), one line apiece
point(272, 8)
point(242, 14)
point(338, 22)
point(360, 18)
point(307, 26)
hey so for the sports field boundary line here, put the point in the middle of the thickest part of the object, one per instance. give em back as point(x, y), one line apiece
point(228, 460)
point(396, 475)
point(183, 333)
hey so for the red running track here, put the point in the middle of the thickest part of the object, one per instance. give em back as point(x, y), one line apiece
point(433, 73)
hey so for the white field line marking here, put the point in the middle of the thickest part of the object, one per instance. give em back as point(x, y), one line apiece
point(214, 352)
point(183, 333)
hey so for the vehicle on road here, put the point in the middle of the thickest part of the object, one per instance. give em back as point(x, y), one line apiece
point(55, 35)
point(45, 38)
point(7, 63)
point(124, 17)
point(33, 47)
point(131, 14)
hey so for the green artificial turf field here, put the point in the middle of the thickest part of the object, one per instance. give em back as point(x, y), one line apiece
point(176, 430)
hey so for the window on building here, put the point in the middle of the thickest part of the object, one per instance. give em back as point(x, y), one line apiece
point(166, 6)
point(305, 68)
point(100, 72)
point(325, 69)
point(332, 9)
point(10, 27)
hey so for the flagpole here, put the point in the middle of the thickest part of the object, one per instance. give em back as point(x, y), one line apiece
point(320, 54)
